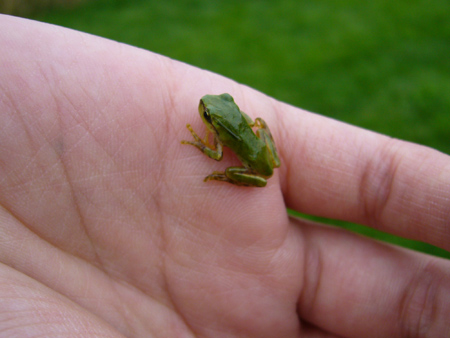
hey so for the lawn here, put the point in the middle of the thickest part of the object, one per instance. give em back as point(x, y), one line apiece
point(382, 65)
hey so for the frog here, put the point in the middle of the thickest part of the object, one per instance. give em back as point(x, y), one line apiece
point(232, 128)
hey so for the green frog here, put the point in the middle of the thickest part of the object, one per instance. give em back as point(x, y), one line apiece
point(232, 128)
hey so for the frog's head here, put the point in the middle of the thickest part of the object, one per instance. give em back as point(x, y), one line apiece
point(216, 110)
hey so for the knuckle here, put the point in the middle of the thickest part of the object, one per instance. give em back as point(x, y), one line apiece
point(424, 308)
point(378, 183)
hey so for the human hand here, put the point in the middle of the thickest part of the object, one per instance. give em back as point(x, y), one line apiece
point(107, 228)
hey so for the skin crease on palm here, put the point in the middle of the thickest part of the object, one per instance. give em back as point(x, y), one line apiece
point(108, 230)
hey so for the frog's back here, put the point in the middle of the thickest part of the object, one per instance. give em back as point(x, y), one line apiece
point(234, 132)
point(250, 149)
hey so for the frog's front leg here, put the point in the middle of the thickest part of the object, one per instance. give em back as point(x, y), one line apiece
point(213, 151)
point(238, 176)
point(264, 134)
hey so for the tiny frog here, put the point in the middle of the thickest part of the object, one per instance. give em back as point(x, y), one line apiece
point(232, 128)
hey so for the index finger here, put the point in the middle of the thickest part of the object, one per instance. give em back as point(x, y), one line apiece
point(339, 171)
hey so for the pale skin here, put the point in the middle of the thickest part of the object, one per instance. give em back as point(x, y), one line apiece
point(97, 242)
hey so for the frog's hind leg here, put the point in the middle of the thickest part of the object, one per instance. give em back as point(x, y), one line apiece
point(217, 176)
point(265, 135)
point(238, 176)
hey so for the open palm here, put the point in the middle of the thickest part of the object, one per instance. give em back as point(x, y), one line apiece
point(107, 228)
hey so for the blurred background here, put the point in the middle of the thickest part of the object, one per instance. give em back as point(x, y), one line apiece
point(382, 65)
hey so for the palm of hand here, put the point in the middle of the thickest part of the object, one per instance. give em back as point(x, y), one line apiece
point(126, 234)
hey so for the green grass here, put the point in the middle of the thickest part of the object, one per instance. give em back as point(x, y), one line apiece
point(370, 232)
point(382, 65)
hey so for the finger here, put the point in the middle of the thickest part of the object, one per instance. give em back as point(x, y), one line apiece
point(355, 287)
point(338, 171)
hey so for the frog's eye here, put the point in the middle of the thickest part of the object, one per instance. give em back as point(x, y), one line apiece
point(206, 115)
